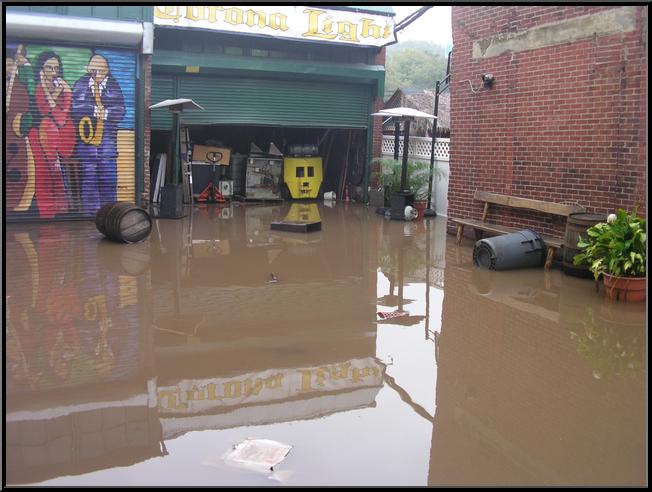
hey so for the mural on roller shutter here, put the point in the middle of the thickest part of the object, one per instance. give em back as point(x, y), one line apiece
point(69, 138)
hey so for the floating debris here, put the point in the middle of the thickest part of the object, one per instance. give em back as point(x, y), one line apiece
point(273, 278)
point(257, 454)
point(393, 314)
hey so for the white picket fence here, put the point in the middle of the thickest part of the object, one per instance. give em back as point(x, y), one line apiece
point(419, 148)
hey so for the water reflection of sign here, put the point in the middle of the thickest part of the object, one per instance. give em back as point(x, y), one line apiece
point(196, 396)
point(314, 407)
point(298, 22)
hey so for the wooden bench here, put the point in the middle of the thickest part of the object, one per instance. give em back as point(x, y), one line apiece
point(552, 243)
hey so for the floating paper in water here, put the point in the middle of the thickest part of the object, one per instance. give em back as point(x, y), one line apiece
point(392, 314)
point(257, 454)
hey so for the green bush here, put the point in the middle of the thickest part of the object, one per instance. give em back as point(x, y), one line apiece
point(418, 174)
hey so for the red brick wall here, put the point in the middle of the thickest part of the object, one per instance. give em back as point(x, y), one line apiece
point(377, 129)
point(564, 123)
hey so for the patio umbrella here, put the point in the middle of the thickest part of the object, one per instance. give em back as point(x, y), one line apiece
point(175, 106)
point(404, 112)
point(404, 196)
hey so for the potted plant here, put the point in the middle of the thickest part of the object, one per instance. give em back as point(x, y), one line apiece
point(418, 174)
point(616, 250)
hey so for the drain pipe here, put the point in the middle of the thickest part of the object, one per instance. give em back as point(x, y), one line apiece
point(438, 91)
point(432, 145)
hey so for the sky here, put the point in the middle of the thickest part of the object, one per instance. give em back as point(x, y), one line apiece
point(434, 25)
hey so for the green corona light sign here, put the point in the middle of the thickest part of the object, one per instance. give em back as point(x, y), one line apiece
point(307, 23)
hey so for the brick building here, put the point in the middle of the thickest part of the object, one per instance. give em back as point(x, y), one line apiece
point(565, 118)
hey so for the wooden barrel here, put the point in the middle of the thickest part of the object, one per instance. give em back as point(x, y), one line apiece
point(123, 222)
point(576, 226)
point(100, 216)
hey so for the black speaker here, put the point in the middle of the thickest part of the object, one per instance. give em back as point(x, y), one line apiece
point(171, 201)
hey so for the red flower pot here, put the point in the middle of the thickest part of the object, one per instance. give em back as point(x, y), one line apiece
point(628, 289)
point(420, 207)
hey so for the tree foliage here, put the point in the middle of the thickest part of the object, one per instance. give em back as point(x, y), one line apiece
point(415, 65)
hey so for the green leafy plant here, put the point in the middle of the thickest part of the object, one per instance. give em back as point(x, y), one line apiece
point(616, 247)
point(418, 175)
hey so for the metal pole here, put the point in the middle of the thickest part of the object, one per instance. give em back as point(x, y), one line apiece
point(400, 274)
point(432, 146)
point(406, 141)
point(175, 157)
point(427, 278)
point(397, 137)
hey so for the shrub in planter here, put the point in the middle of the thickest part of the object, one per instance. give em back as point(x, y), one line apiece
point(616, 250)
point(418, 174)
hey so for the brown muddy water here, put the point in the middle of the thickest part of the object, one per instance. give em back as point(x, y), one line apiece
point(143, 364)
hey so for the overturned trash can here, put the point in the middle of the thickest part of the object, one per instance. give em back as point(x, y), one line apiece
point(123, 222)
point(522, 249)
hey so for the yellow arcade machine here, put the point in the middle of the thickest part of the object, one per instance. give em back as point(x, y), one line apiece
point(303, 172)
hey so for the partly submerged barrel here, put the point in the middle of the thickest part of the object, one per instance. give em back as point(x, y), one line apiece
point(521, 249)
point(100, 216)
point(576, 226)
point(123, 222)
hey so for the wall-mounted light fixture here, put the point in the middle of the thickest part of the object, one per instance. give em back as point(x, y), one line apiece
point(487, 82)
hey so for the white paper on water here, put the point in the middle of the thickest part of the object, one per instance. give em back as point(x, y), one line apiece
point(258, 453)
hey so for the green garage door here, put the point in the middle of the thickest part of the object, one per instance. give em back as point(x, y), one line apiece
point(238, 101)
point(162, 89)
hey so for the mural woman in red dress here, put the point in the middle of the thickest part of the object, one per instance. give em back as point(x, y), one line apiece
point(53, 138)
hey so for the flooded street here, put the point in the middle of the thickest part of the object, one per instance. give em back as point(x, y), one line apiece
point(143, 364)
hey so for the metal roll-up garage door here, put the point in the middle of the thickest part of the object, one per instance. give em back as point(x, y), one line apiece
point(70, 129)
point(162, 89)
point(238, 101)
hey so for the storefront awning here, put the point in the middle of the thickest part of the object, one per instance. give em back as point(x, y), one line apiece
point(167, 61)
point(80, 29)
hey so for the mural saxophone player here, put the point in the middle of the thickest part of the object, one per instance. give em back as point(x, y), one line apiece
point(98, 107)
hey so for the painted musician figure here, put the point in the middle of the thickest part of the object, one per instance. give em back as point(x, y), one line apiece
point(19, 164)
point(52, 139)
point(97, 107)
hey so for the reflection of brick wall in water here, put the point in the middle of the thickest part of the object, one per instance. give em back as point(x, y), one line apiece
point(80, 442)
point(516, 403)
